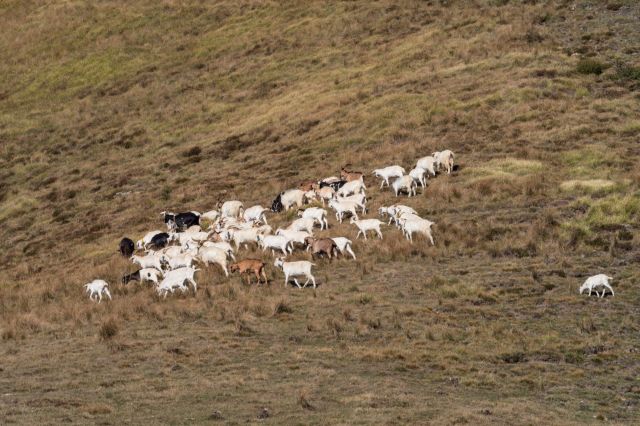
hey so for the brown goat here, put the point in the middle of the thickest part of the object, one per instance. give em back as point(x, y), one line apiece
point(350, 175)
point(250, 265)
point(308, 185)
point(322, 245)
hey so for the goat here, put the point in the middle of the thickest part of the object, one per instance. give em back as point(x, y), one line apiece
point(352, 187)
point(350, 175)
point(421, 226)
point(211, 215)
point(245, 236)
point(342, 207)
point(428, 163)
point(308, 185)
point(367, 225)
point(209, 255)
point(388, 172)
point(141, 275)
point(419, 175)
point(180, 261)
point(600, 280)
point(325, 193)
point(293, 236)
point(444, 159)
point(332, 182)
point(290, 197)
point(273, 242)
point(404, 183)
point(222, 245)
point(141, 244)
point(276, 205)
point(148, 261)
point(296, 269)
point(255, 213)
point(158, 241)
point(97, 288)
point(359, 199)
point(181, 220)
point(344, 244)
point(126, 247)
point(319, 246)
point(181, 275)
point(250, 265)
point(302, 224)
point(317, 214)
point(232, 208)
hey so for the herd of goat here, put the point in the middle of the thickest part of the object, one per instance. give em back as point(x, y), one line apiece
point(170, 256)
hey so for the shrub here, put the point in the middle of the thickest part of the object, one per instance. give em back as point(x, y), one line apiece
point(590, 66)
point(108, 329)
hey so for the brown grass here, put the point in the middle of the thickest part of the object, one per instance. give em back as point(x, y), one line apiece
point(115, 111)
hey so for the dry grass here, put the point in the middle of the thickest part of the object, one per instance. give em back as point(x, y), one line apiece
point(114, 111)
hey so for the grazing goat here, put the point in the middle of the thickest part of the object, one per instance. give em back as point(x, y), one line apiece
point(126, 247)
point(296, 269)
point(332, 182)
point(222, 245)
point(325, 193)
point(367, 225)
point(250, 265)
point(209, 255)
point(388, 172)
point(180, 261)
point(344, 244)
point(405, 183)
point(317, 214)
point(320, 246)
point(293, 236)
point(276, 205)
point(158, 241)
point(141, 244)
point(350, 175)
point(142, 275)
point(255, 213)
point(342, 207)
point(274, 242)
point(444, 159)
point(600, 280)
point(149, 261)
point(181, 275)
point(419, 175)
point(428, 163)
point(359, 199)
point(420, 226)
point(302, 224)
point(290, 197)
point(246, 236)
point(97, 288)
point(352, 187)
point(181, 220)
point(211, 215)
point(232, 208)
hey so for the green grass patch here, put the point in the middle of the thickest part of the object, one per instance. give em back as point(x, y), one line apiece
point(590, 66)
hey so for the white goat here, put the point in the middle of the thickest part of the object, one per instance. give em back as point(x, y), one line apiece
point(290, 197)
point(293, 236)
point(344, 244)
point(211, 215)
point(97, 288)
point(222, 245)
point(232, 209)
point(444, 159)
point(273, 242)
point(420, 226)
point(353, 187)
point(180, 261)
point(246, 236)
point(388, 172)
point(181, 275)
point(359, 199)
point(296, 269)
point(365, 225)
point(342, 207)
point(404, 183)
point(428, 163)
point(209, 255)
point(600, 280)
point(317, 214)
point(256, 213)
point(148, 261)
point(419, 175)
point(302, 224)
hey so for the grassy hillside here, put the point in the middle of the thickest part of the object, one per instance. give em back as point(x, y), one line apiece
point(113, 111)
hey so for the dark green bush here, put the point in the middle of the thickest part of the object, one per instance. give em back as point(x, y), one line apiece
point(590, 66)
